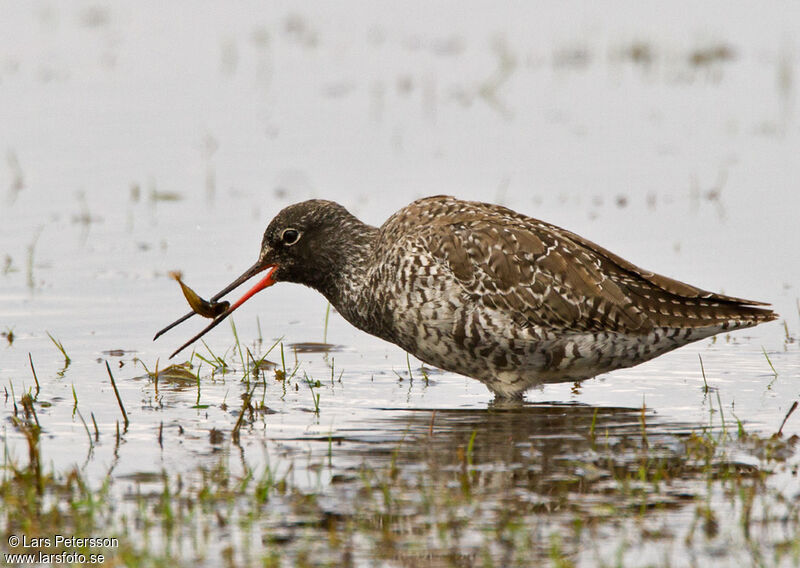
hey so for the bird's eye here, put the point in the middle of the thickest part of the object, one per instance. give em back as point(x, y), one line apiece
point(290, 236)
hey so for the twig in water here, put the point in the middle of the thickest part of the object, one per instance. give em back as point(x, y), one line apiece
point(13, 396)
point(116, 393)
point(721, 413)
point(702, 370)
point(86, 427)
point(35, 378)
point(785, 418)
point(96, 429)
point(245, 405)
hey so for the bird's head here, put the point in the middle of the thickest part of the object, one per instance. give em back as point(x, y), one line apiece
point(307, 243)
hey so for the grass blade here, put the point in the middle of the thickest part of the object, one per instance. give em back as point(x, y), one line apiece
point(116, 393)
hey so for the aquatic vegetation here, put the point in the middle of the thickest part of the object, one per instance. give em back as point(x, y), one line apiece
point(60, 347)
point(116, 394)
point(568, 484)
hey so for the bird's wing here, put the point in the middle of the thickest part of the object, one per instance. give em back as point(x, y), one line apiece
point(539, 277)
point(546, 276)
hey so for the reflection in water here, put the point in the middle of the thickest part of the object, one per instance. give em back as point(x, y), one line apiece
point(503, 482)
point(314, 347)
point(513, 435)
point(540, 448)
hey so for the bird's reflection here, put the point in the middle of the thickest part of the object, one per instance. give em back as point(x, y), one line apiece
point(531, 434)
point(514, 485)
point(538, 465)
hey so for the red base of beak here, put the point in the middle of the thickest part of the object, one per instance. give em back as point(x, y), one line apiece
point(265, 282)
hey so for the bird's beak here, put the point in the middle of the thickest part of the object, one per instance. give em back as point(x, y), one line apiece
point(265, 282)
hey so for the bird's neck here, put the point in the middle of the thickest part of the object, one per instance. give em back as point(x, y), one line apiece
point(347, 287)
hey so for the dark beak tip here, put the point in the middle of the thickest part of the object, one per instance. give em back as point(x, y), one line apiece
point(252, 271)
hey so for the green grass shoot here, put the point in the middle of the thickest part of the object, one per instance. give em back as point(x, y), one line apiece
point(774, 372)
point(325, 331)
point(703, 370)
point(60, 347)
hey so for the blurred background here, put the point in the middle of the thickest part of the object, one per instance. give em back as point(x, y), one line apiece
point(169, 135)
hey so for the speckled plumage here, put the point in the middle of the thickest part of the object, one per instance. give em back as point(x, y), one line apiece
point(481, 290)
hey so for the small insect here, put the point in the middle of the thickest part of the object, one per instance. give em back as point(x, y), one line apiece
point(199, 305)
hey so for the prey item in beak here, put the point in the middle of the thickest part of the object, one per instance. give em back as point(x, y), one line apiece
point(249, 273)
point(199, 305)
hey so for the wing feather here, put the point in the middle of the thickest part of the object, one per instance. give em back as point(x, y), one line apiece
point(549, 277)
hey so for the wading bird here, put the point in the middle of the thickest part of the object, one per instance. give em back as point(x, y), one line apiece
point(487, 292)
